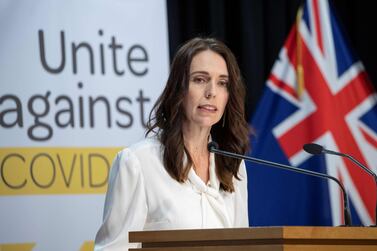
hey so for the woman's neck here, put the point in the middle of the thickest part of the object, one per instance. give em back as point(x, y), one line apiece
point(196, 140)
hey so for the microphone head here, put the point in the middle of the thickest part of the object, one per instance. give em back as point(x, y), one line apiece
point(313, 148)
point(212, 146)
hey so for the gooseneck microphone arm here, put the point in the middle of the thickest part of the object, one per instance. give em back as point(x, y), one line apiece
point(366, 169)
point(213, 147)
point(316, 149)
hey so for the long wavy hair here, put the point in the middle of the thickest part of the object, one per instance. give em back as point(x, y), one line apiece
point(167, 116)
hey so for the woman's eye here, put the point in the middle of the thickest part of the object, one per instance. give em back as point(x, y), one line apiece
point(224, 83)
point(200, 80)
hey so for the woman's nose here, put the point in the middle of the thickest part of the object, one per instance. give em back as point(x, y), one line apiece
point(210, 90)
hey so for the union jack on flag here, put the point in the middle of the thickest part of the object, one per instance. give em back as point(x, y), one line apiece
point(317, 92)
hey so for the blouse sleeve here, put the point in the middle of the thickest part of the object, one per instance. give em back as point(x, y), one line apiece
point(242, 213)
point(125, 204)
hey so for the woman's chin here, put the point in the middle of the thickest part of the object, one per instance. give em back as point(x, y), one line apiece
point(205, 123)
point(201, 122)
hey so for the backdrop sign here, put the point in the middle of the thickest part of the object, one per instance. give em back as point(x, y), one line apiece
point(77, 82)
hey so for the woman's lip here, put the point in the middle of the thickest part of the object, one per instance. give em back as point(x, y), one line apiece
point(211, 108)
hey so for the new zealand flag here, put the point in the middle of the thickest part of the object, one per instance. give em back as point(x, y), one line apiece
point(317, 92)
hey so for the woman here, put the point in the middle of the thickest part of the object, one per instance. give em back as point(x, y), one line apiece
point(170, 180)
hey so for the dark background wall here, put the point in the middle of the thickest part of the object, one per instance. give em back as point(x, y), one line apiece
point(255, 31)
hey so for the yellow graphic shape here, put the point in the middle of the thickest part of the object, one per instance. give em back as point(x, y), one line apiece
point(87, 246)
point(17, 246)
point(29, 171)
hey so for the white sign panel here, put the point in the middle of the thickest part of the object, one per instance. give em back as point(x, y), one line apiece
point(77, 82)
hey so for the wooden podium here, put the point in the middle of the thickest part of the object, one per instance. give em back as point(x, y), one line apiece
point(259, 238)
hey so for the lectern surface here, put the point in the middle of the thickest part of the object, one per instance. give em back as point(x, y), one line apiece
point(259, 238)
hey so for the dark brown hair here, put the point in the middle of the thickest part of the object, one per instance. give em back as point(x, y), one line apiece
point(169, 115)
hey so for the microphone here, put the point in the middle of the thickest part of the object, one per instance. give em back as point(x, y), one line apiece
point(214, 148)
point(316, 149)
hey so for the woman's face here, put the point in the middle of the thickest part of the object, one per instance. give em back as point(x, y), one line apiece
point(208, 94)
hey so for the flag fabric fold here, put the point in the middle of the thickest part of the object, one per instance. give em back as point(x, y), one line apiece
point(318, 91)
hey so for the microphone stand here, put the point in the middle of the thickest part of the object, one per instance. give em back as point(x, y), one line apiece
point(318, 149)
point(212, 147)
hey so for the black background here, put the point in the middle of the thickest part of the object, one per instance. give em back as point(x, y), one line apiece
point(255, 30)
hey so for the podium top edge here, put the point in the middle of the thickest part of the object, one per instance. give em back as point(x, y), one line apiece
point(256, 233)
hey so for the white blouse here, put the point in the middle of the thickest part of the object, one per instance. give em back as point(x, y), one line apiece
point(142, 195)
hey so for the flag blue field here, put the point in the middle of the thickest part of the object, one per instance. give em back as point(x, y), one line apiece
point(318, 91)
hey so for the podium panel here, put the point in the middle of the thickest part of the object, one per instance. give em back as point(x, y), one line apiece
point(259, 239)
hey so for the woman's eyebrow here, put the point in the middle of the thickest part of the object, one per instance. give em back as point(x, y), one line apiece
point(206, 73)
point(199, 72)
